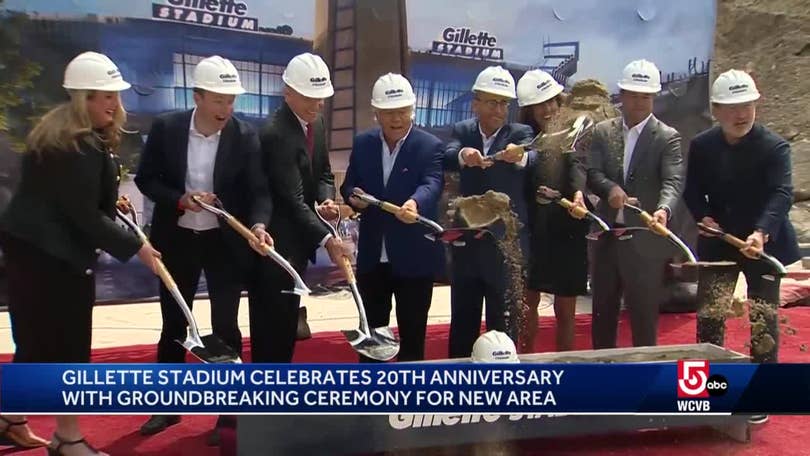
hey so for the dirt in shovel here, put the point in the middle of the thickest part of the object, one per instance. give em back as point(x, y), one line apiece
point(479, 211)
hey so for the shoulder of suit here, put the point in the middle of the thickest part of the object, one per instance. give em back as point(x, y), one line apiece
point(174, 118)
point(663, 127)
point(770, 139)
point(426, 136)
point(466, 126)
point(242, 127)
point(707, 137)
point(608, 124)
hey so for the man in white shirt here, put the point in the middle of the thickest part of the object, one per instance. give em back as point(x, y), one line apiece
point(204, 152)
point(401, 164)
point(640, 156)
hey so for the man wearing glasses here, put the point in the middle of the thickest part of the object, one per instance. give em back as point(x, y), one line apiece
point(478, 270)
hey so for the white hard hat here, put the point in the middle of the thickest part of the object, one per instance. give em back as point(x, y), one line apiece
point(536, 86)
point(218, 75)
point(93, 71)
point(308, 75)
point(641, 76)
point(734, 86)
point(392, 91)
point(494, 347)
point(495, 80)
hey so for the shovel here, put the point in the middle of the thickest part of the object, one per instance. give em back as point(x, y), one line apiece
point(378, 343)
point(581, 125)
point(577, 212)
point(453, 236)
point(300, 288)
point(740, 244)
point(662, 230)
point(208, 349)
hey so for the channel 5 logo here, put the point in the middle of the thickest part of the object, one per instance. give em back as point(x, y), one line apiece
point(694, 380)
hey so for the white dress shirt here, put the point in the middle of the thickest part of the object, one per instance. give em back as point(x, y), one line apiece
point(201, 158)
point(487, 142)
point(389, 157)
point(631, 136)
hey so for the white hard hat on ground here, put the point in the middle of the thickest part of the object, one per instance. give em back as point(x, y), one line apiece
point(218, 75)
point(641, 76)
point(308, 75)
point(536, 86)
point(734, 86)
point(495, 80)
point(93, 71)
point(392, 91)
point(494, 347)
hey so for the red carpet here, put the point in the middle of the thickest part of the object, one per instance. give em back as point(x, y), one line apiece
point(782, 435)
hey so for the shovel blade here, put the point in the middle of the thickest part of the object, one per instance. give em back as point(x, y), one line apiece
point(373, 347)
point(212, 351)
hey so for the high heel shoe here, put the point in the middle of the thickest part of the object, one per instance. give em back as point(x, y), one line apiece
point(62, 442)
point(8, 438)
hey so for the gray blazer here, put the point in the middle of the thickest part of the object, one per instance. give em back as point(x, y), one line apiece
point(655, 175)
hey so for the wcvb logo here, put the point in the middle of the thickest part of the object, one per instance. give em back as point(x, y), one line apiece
point(694, 380)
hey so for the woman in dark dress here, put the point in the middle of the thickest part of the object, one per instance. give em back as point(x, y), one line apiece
point(61, 217)
point(558, 253)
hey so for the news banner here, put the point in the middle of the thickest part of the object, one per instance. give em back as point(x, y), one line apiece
point(685, 387)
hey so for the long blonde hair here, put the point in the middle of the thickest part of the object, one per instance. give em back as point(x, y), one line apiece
point(65, 126)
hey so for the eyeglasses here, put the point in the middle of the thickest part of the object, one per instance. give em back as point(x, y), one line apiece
point(494, 104)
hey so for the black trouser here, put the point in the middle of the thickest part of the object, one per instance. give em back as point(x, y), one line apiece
point(273, 314)
point(187, 255)
point(50, 305)
point(413, 296)
point(763, 289)
point(622, 268)
point(479, 273)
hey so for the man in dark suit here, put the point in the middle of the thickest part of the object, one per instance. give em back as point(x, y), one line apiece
point(401, 164)
point(636, 155)
point(478, 269)
point(296, 159)
point(739, 180)
point(207, 153)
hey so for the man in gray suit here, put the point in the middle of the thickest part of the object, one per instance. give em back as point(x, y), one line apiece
point(640, 156)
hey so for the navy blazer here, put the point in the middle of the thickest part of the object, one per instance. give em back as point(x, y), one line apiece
point(508, 178)
point(417, 174)
point(743, 187)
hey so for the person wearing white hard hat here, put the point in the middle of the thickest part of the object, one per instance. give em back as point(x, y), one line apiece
point(558, 259)
point(61, 217)
point(494, 347)
point(402, 164)
point(739, 180)
point(478, 270)
point(640, 156)
point(207, 153)
point(296, 161)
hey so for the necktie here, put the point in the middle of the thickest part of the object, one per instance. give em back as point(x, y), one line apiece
point(310, 141)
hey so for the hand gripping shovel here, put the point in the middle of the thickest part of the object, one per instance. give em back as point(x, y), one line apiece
point(453, 236)
point(579, 212)
point(300, 288)
point(377, 343)
point(662, 230)
point(740, 244)
point(208, 349)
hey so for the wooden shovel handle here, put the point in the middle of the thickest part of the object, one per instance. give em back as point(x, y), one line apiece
point(654, 225)
point(348, 272)
point(578, 212)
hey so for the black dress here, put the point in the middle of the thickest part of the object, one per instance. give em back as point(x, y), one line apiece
point(558, 255)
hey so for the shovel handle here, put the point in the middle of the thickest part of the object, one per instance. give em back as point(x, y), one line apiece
point(348, 272)
point(730, 238)
point(578, 212)
point(655, 227)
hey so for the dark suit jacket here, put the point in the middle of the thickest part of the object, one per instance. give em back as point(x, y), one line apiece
point(238, 180)
point(744, 187)
point(296, 184)
point(655, 174)
point(65, 205)
point(417, 174)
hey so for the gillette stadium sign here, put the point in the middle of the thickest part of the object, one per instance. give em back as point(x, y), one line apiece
point(463, 42)
point(231, 14)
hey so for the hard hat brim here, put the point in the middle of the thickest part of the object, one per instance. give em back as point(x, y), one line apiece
point(393, 105)
point(736, 100)
point(500, 93)
point(638, 88)
point(558, 89)
point(116, 86)
point(222, 90)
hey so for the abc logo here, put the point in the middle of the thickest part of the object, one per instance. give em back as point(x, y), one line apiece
point(717, 385)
